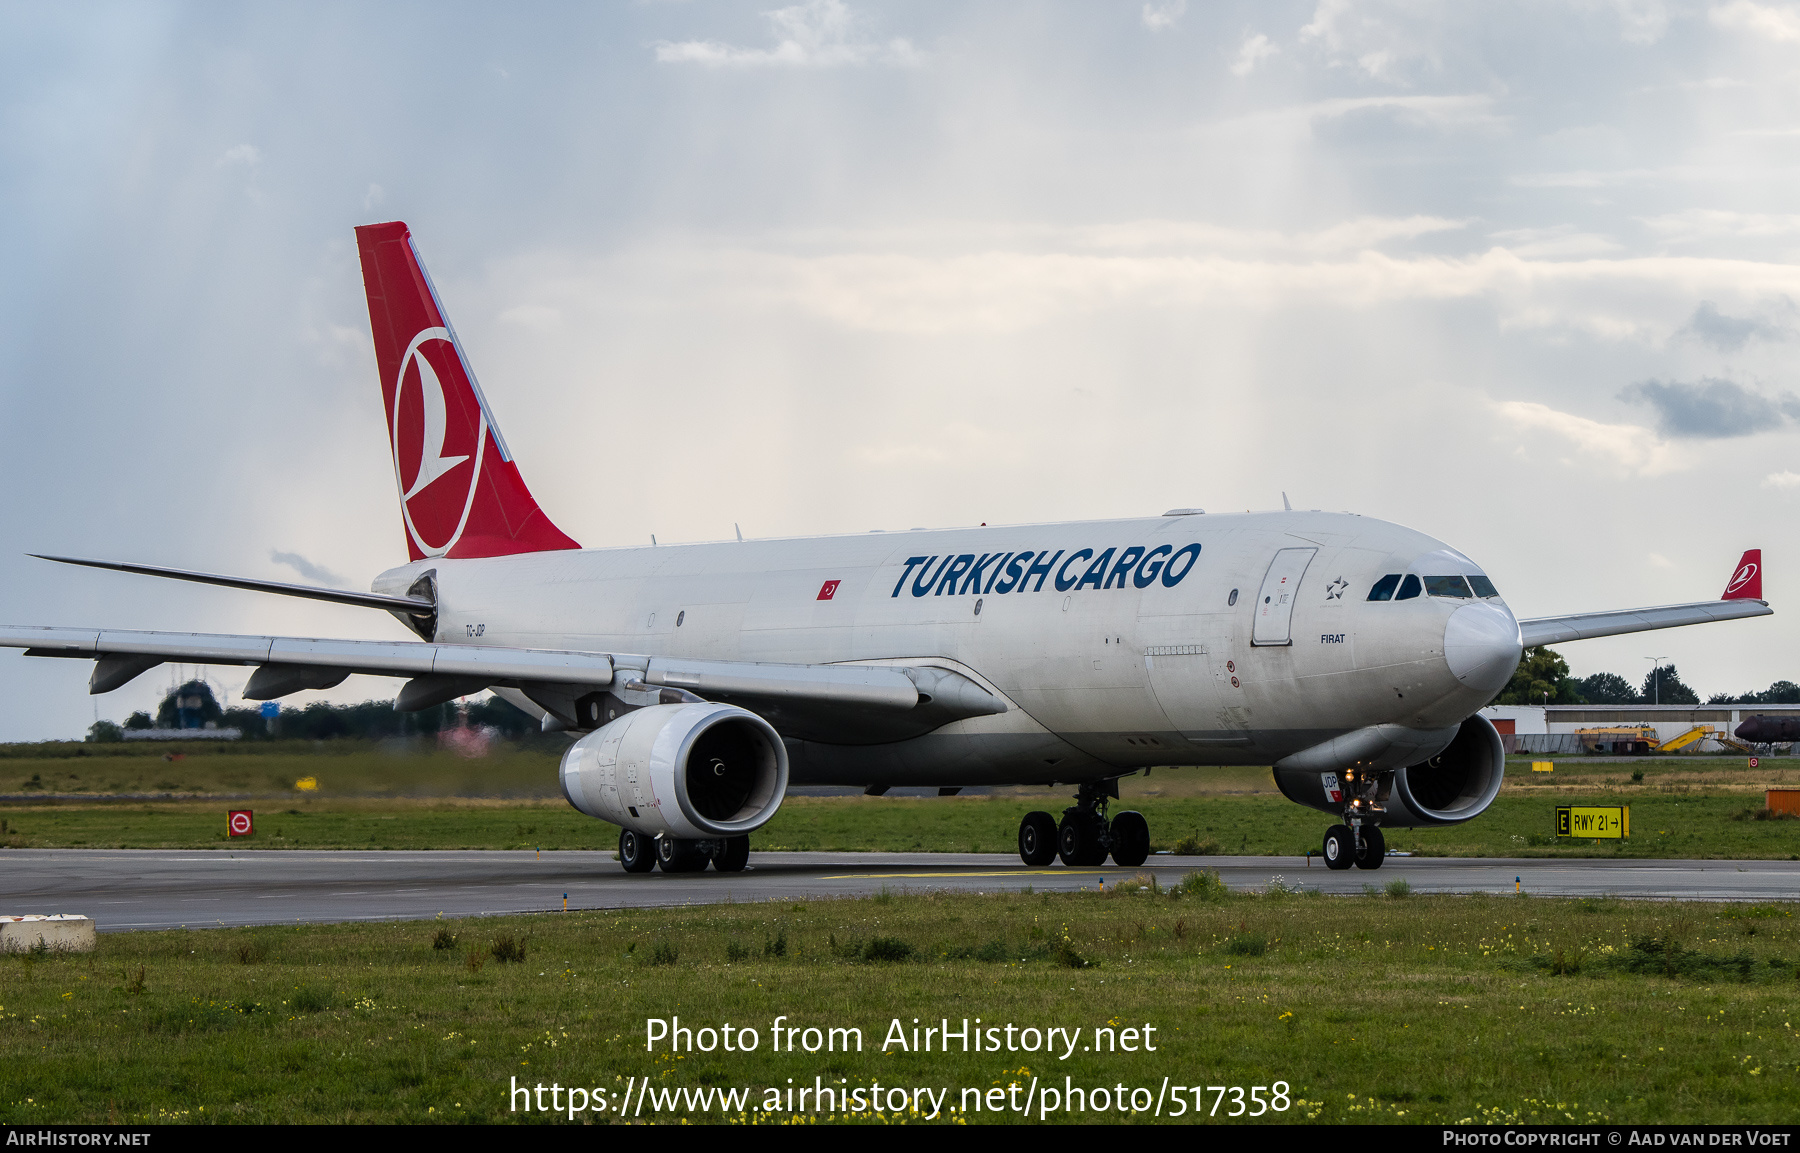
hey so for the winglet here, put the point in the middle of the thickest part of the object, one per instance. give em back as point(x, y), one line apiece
point(1746, 582)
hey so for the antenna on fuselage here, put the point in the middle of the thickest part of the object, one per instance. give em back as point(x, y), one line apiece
point(1285, 506)
point(740, 531)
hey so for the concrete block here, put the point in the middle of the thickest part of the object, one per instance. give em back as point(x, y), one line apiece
point(60, 933)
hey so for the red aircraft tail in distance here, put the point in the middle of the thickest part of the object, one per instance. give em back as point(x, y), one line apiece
point(1746, 582)
point(461, 495)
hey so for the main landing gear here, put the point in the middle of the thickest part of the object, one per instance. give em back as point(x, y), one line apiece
point(1085, 837)
point(640, 853)
point(1359, 842)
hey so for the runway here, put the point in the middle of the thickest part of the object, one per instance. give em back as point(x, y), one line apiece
point(125, 889)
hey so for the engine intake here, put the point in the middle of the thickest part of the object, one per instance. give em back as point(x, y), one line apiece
point(689, 770)
point(1456, 785)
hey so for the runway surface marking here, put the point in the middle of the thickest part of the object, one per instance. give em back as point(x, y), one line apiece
point(152, 889)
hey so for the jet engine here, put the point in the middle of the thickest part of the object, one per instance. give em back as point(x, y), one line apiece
point(691, 771)
point(1456, 785)
point(1351, 774)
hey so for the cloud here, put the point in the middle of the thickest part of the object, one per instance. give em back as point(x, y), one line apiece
point(1711, 408)
point(1386, 41)
point(966, 278)
point(1163, 16)
point(1705, 224)
point(1764, 21)
point(1593, 178)
point(1730, 333)
point(1783, 479)
point(1254, 50)
point(1435, 111)
point(1626, 449)
point(1561, 242)
point(816, 34)
point(246, 154)
point(306, 568)
point(1642, 21)
point(537, 317)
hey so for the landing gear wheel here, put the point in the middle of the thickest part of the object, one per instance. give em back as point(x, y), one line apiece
point(1131, 839)
point(1078, 842)
point(733, 855)
point(636, 851)
point(678, 856)
point(1340, 849)
point(1374, 848)
point(1037, 839)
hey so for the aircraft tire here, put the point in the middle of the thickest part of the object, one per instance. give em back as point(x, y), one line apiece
point(1374, 848)
point(678, 856)
point(1078, 842)
point(1131, 839)
point(636, 851)
point(1339, 848)
point(1037, 839)
point(733, 856)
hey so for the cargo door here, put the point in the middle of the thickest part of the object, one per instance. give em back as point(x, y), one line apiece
point(1275, 602)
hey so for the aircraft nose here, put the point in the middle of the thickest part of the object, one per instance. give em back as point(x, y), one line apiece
point(1482, 646)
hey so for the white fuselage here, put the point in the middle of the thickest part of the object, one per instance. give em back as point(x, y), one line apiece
point(1105, 669)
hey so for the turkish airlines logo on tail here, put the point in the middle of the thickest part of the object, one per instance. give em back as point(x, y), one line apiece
point(1746, 582)
point(440, 438)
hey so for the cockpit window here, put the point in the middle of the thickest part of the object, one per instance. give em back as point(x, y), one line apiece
point(1447, 586)
point(1409, 588)
point(1483, 587)
point(1384, 588)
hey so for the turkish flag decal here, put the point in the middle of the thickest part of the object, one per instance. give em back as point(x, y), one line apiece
point(828, 590)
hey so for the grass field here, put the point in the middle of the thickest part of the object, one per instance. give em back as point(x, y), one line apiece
point(1381, 1008)
point(272, 769)
point(1677, 825)
point(368, 797)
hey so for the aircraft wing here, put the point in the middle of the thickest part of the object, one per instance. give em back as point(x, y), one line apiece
point(915, 699)
point(1585, 626)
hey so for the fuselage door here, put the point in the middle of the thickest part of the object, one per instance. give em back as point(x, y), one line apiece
point(1275, 603)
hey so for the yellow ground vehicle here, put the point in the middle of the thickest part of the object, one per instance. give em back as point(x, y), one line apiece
point(1618, 739)
point(1642, 739)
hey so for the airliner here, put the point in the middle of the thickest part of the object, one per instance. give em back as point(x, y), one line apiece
point(700, 681)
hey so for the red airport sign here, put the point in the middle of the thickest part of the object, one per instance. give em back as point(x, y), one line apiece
point(238, 823)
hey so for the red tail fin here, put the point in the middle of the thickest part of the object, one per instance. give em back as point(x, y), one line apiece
point(460, 492)
point(1746, 582)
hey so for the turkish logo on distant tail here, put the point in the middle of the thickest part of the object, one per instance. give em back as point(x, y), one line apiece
point(440, 439)
point(1746, 580)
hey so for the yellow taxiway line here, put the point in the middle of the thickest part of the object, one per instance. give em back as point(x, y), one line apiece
point(1008, 873)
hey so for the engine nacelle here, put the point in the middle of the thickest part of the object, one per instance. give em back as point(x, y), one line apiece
point(692, 771)
point(1456, 785)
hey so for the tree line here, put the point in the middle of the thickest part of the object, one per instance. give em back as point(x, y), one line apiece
point(318, 721)
point(1543, 678)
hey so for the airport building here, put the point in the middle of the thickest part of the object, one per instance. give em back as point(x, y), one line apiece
point(1562, 728)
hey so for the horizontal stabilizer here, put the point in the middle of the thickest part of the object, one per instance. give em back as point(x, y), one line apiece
point(380, 658)
point(310, 592)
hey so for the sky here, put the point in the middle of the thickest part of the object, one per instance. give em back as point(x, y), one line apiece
point(1523, 277)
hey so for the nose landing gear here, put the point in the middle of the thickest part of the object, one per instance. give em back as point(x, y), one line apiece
point(1359, 842)
point(1361, 845)
point(1085, 837)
